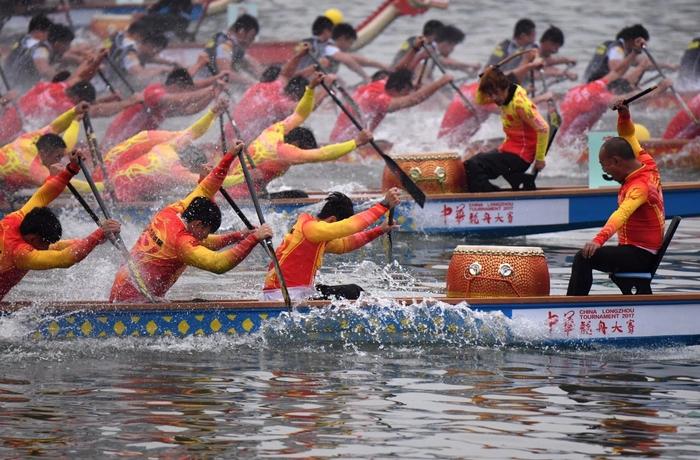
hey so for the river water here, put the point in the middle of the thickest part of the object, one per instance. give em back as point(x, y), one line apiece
point(278, 394)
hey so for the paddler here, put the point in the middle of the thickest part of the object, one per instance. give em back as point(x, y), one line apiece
point(585, 104)
point(30, 239)
point(287, 143)
point(227, 51)
point(24, 163)
point(526, 133)
point(391, 94)
point(682, 126)
point(524, 36)
point(178, 96)
point(610, 55)
point(181, 235)
point(689, 68)
point(430, 29)
point(335, 229)
point(639, 218)
point(146, 165)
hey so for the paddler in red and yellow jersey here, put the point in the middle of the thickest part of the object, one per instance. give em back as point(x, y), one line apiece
point(286, 143)
point(526, 133)
point(140, 174)
point(24, 163)
point(178, 96)
point(30, 237)
point(639, 218)
point(336, 229)
point(180, 235)
point(377, 99)
point(682, 126)
point(460, 123)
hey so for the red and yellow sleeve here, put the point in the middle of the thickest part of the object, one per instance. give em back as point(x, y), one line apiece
point(61, 123)
point(319, 231)
point(294, 154)
point(196, 255)
point(352, 242)
point(306, 104)
point(52, 188)
point(61, 255)
point(634, 198)
point(533, 118)
point(216, 242)
point(197, 130)
point(625, 129)
point(211, 184)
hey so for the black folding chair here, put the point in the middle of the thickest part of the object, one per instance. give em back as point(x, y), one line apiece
point(640, 282)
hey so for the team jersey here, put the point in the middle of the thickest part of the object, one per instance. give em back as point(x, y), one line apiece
point(582, 107)
point(681, 125)
point(261, 105)
point(143, 116)
point(20, 164)
point(459, 123)
point(527, 133)
point(159, 169)
point(301, 252)
point(639, 218)
point(10, 124)
point(17, 256)
point(373, 101)
point(166, 247)
point(273, 157)
point(44, 102)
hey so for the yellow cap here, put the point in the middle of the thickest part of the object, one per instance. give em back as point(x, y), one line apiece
point(641, 132)
point(335, 15)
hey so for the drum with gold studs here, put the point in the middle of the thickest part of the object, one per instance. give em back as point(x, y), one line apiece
point(439, 172)
point(497, 271)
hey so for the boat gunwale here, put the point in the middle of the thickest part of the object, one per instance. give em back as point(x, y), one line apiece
point(251, 304)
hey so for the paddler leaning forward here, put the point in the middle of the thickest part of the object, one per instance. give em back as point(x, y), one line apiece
point(336, 229)
point(180, 235)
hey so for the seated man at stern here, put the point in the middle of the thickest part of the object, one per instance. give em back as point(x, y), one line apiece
point(639, 218)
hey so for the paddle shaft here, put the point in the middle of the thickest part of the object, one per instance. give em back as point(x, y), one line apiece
point(120, 75)
point(389, 239)
point(4, 79)
point(422, 71)
point(410, 186)
point(454, 86)
point(678, 97)
point(103, 77)
point(66, 11)
point(552, 132)
point(118, 241)
point(239, 135)
point(97, 156)
point(346, 95)
point(268, 241)
point(193, 35)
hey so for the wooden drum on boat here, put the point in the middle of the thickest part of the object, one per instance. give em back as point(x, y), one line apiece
point(440, 172)
point(497, 271)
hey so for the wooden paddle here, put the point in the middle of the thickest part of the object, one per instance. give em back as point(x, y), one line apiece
point(118, 241)
point(205, 8)
point(267, 243)
point(97, 156)
point(389, 239)
point(346, 95)
point(119, 74)
point(679, 99)
point(408, 184)
point(454, 86)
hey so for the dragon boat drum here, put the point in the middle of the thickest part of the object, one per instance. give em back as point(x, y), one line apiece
point(438, 172)
point(497, 271)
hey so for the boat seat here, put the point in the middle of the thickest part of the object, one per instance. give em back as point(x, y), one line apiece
point(640, 282)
